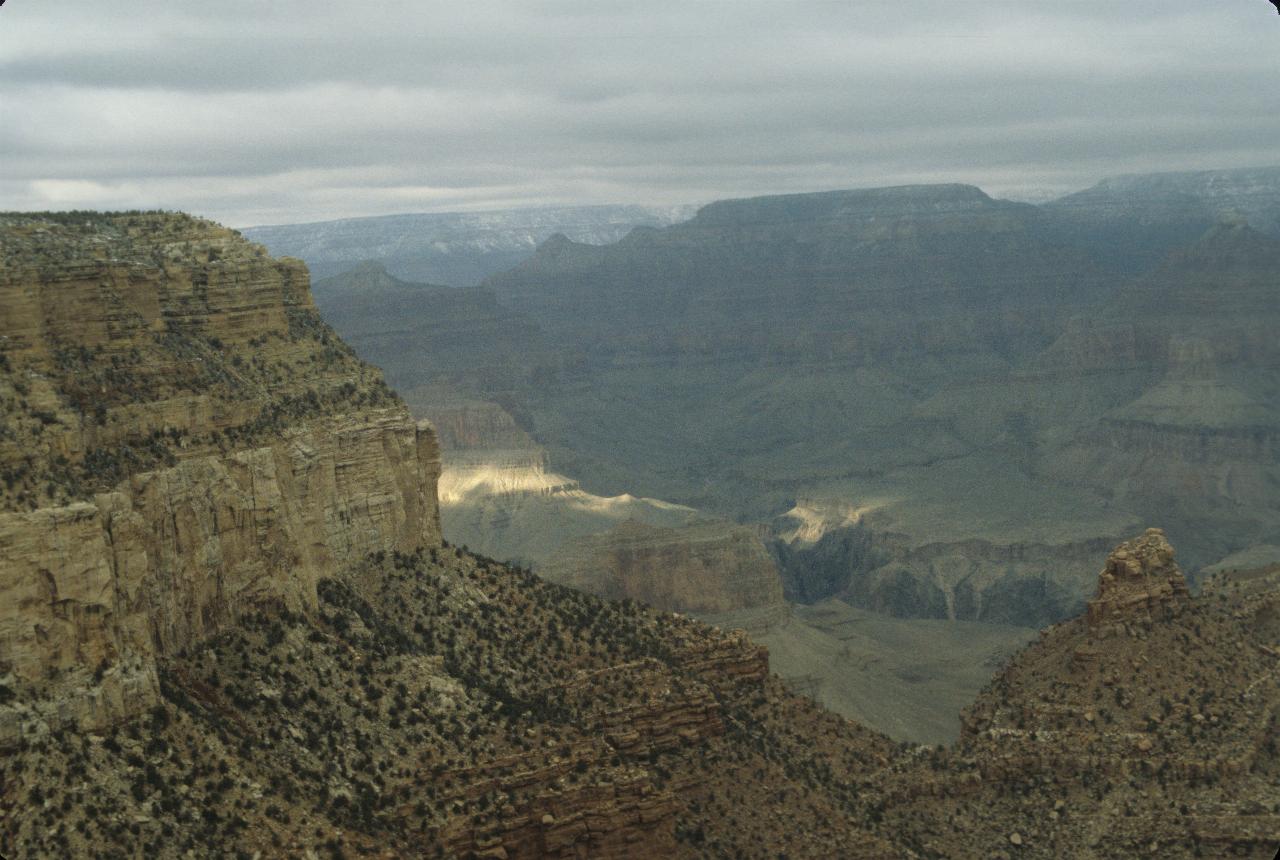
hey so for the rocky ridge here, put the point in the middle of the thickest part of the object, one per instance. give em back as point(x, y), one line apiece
point(1148, 725)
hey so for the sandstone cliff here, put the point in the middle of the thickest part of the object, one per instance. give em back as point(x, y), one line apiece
point(183, 440)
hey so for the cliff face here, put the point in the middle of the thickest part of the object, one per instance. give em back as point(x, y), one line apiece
point(498, 497)
point(1189, 429)
point(183, 441)
point(859, 276)
point(420, 333)
point(702, 568)
point(827, 549)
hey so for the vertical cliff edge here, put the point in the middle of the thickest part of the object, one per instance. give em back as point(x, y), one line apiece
point(182, 439)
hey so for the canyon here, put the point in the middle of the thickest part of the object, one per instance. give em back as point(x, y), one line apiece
point(966, 399)
point(927, 403)
point(500, 496)
point(232, 619)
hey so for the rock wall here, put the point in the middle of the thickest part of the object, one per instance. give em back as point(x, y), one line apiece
point(1023, 582)
point(185, 441)
point(499, 497)
point(473, 425)
point(704, 567)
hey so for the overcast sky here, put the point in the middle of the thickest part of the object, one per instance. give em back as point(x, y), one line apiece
point(255, 112)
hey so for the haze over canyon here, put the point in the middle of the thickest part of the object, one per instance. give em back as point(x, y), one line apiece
point(508, 430)
point(929, 404)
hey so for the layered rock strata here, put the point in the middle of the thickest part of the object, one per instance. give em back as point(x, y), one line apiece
point(183, 441)
point(322, 690)
point(1141, 582)
point(996, 376)
point(701, 568)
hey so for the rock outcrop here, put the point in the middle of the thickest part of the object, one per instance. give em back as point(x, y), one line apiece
point(1140, 583)
point(1148, 725)
point(183, 441)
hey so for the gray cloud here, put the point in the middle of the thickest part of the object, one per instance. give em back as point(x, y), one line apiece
point(253, 112)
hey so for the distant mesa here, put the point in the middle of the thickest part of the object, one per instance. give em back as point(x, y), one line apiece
point(859, 203)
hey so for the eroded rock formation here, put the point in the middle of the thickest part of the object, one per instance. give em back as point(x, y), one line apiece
point(499, 497)
point(183, 440)
point(1141, 582)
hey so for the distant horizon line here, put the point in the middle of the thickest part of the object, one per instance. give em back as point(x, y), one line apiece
point(543, 207)
point(693, 206)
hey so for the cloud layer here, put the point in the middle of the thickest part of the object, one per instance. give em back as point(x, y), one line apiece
point(255, 112)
